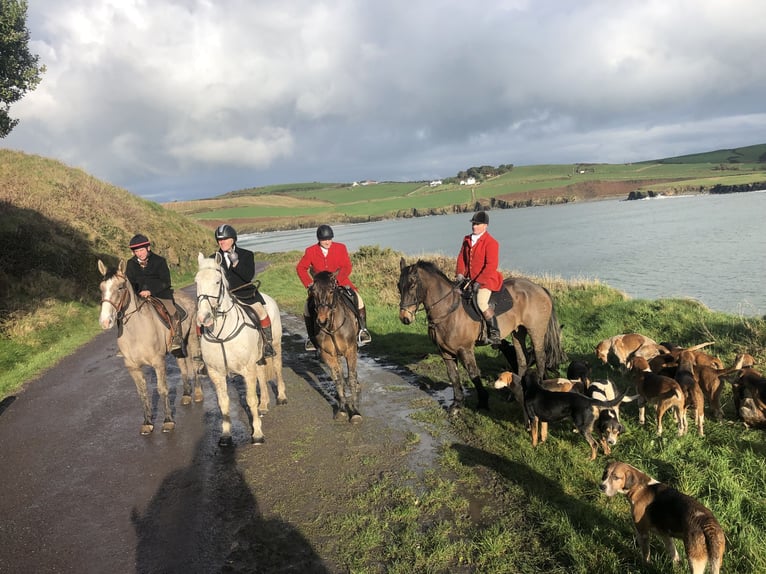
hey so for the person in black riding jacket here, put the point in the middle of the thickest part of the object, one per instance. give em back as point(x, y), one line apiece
point(150, 276)
point(239, 266)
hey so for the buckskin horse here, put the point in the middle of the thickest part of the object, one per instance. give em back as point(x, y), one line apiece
point(144, 340)
point(336, 330)
point(455, 332)
point(232, 343)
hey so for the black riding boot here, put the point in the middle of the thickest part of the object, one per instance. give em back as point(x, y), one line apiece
point(177, 343)
point(311, 341)
point(364, 335)
point(268, 349)
point(493, 330)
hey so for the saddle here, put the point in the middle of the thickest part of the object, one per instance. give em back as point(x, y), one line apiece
point(501, 301)
point(159, 306)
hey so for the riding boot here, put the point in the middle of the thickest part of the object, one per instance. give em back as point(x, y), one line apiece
point(493, 330)
point(311, 343)
point(268, 349)
point(177, 343)
point(364, 336)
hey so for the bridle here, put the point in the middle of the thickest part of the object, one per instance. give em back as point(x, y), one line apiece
point(215, 304)
point(124, 300)
point(420, 298)
point(330, 305)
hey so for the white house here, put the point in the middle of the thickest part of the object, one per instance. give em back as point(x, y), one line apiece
point(435, 182)
point(468, 181)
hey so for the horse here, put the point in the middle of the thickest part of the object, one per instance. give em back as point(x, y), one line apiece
point(232, 343)
point(336, 336)
point(455, 333)
point(144, 339)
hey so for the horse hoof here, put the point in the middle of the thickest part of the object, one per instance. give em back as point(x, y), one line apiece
point(186, 400)
point(356, 418)
point(341, 415)
point(258, 440)
point(198, 397)
point(225, 442)
point(454, 410)
point(281, 401)
point(146, 429)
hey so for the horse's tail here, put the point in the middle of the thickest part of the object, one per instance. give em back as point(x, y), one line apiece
point(554, 352)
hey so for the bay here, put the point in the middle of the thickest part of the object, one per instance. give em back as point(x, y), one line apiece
point(705, 247)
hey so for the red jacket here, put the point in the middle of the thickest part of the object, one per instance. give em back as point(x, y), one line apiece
point(479, 262)
point(337, 259)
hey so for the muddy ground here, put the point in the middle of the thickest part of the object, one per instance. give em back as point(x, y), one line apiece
point(83, 492)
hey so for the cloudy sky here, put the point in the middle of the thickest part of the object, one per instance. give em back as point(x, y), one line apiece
point(182, 99)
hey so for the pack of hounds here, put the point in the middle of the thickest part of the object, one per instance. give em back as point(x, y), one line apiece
point(669, 378)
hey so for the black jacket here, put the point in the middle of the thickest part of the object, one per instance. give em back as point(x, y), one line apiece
point(240, 278)
point(155, 277)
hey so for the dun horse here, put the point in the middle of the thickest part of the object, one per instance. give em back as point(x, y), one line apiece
point(455, 333)
point(144, 340)
point(232, 343)
point(336, 338)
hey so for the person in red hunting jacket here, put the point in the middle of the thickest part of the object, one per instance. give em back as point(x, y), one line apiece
point(327, 255)
point(477, 262)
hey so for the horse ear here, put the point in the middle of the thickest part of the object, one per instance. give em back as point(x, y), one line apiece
point(218, 258)
point(335, 275)
point(200, 257)
point(121, 266)
point(101, 267)
point(402, 264)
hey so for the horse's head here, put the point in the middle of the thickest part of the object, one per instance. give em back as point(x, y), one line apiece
point(409, 295)
point(211, 289)
point(323, 293)
point(115, 293)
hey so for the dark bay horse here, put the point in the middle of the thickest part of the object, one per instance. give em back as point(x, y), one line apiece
point(336, 330)
point(144, 340)
point(455, 333)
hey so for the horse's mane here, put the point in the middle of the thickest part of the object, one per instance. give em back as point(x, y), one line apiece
point(110, 272)
point(430, 267)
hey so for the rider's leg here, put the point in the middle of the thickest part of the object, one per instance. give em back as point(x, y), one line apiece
point(364, 336)
point(310, 328)
point(177, 346)
point(265, 326)
point(493, 331)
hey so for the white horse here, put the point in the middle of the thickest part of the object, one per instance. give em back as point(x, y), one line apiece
point(144, 340)
point(232, 343)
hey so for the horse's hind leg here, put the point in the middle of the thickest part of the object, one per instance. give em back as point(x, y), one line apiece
point(469, 360)
point(189, 373)
point(162, 388)
point(276, 365)
point(256, 436)
point(140, 381)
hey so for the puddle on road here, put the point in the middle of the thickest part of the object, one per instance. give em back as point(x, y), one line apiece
point(389, 393)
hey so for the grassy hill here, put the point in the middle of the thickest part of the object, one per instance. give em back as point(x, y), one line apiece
point(308, 204)
point(55, 223)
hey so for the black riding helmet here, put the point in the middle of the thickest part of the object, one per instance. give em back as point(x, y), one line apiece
point(225, 231)
point(324, 232)
point(139, 241)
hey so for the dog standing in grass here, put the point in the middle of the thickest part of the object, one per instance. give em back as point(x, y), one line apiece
point(671, 514)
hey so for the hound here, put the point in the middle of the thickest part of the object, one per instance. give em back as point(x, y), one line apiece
point(662, 391)
point(671, 514)
point(625, 346)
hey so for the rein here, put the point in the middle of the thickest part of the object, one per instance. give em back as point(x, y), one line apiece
point(429, 308)
point(332, 330)
point(124, 302)
point(214, 301)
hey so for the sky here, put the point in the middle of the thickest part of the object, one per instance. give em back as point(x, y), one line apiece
point(189, 99)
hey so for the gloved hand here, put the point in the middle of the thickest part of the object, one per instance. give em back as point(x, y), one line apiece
point(459, 278)
point(233, 257)
point(475, 286)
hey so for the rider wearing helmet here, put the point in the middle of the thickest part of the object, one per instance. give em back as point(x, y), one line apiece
point(239, 266)
point(477, 262)
point(150, 276)
point(327, 255)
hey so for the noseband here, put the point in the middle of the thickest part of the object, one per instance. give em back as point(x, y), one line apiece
point(124, 301)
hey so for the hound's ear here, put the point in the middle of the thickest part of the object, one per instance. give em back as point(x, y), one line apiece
point(630, 479)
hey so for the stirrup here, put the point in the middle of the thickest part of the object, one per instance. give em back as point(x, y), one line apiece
point(268, 350)
point(309, 345)
point(177, 349)
point(363, 338)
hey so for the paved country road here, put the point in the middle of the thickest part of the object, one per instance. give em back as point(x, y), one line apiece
point(83, 492)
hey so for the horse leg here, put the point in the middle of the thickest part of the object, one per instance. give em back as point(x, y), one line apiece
point(189, 373)
point(457, 388)
point(353, 383)
point(276, 365)
point(469, 361)
point(521, 353)
point(140, 381)
point(538, 344)
point(222, 394)
point(340, 386)
point(256, 437)
point(162, 388)
point(264, 398)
